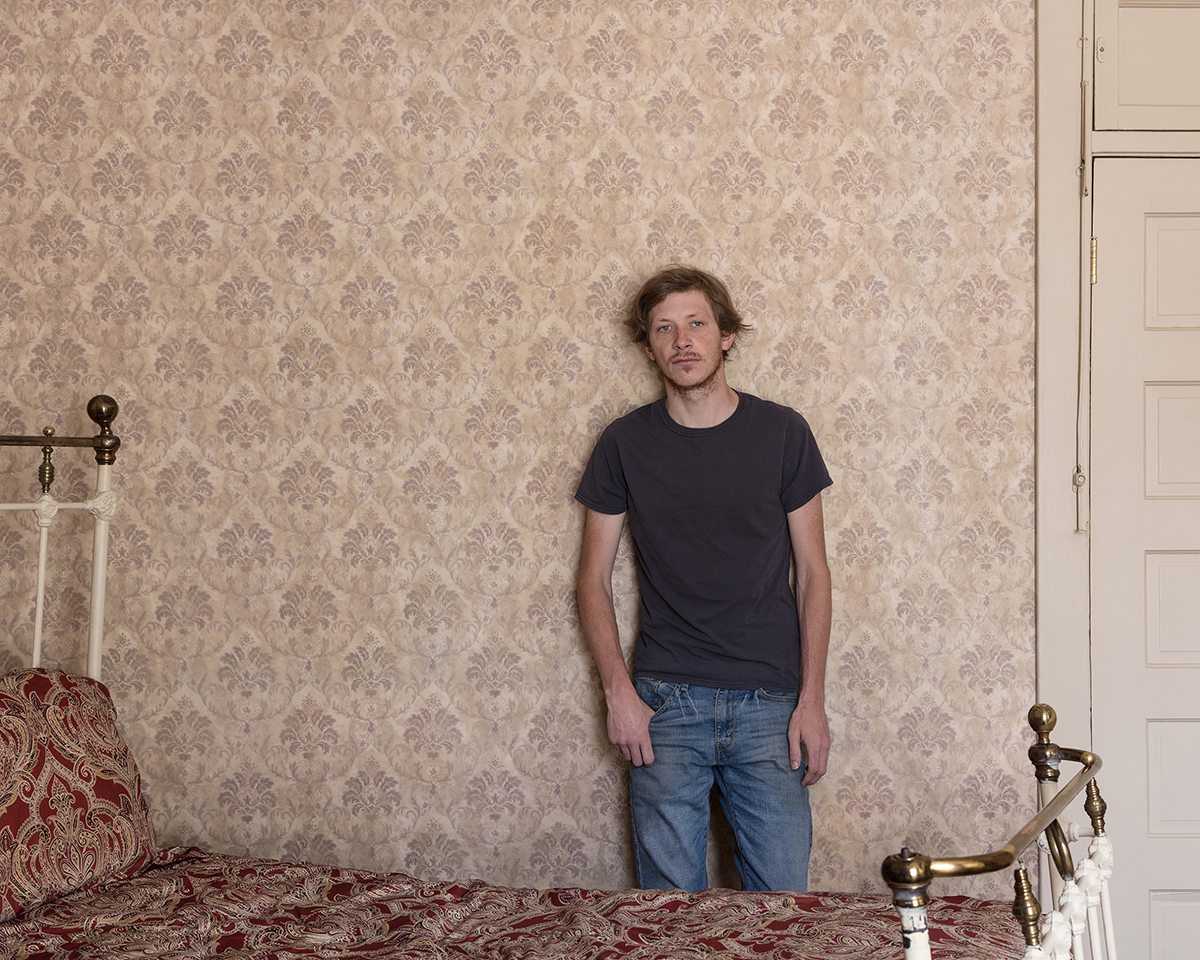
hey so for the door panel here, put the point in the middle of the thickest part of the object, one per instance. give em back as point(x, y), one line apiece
point(1146, 69)
point(1145, 542)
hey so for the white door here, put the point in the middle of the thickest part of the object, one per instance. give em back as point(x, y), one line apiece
point(1145, 545)
point(1147, 71)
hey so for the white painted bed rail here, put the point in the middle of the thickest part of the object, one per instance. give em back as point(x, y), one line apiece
point(102, 505)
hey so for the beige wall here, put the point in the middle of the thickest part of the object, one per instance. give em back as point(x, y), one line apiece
point(354, 271)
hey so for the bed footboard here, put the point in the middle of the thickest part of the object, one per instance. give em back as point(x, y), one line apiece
point(1079, 892)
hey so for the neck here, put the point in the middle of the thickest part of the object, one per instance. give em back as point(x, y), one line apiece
point(703, 405)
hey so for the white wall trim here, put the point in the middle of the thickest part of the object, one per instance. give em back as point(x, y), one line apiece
point(1063, 647)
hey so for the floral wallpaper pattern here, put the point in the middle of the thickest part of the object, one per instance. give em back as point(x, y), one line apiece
point(354, 270)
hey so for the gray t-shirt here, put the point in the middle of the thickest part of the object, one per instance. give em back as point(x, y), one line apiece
point(708, 512)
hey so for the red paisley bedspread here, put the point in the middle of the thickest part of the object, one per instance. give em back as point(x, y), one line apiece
point(190, 904)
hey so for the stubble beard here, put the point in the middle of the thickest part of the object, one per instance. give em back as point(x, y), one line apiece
point(693, 391)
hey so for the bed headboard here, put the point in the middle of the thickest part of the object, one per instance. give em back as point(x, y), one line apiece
point(102, 505)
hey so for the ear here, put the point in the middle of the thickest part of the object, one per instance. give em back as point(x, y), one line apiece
point(727, 340)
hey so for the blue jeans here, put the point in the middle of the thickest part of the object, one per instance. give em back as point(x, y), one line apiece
point(737, 739)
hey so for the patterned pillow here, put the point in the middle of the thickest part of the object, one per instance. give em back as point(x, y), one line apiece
point(71, 806)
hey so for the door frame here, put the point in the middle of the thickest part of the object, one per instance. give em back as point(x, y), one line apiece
point(1063, 661)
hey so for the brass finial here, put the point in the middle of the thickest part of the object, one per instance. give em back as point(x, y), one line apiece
point(1044, 755)
point(46, 470)
point(909, 876)
point(103, 410)
point(1026, 908)
point(1042, 719)
point(1095, 807)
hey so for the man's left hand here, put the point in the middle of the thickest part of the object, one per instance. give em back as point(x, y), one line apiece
point(809, 738)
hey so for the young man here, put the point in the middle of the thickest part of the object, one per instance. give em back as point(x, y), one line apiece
point(723, 494)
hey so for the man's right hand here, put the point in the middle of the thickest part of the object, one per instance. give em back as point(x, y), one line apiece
point(629, 726)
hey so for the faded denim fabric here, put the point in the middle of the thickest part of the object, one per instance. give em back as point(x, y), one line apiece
point(737, 739)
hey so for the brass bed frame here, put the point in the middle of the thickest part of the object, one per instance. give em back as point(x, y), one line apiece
point(908, 874)
point(102, 505)
point(1080, 892)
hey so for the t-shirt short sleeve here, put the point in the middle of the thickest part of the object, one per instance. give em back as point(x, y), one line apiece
point(603, 487)
point(810, 475)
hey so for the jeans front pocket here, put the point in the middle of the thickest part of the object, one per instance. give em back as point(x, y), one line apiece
point(658, 695)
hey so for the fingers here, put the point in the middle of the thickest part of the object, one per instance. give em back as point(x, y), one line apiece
point(817, 765)
point(809, 741)
point(795, 748)
point(642, 755)
point(816, 750)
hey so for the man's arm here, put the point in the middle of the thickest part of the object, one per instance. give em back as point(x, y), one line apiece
point(814, 601)
point(628, 715)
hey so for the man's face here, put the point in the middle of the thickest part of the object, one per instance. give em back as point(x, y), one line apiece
point(684, 340)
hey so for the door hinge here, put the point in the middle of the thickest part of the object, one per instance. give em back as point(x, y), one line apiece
point(1093, 259)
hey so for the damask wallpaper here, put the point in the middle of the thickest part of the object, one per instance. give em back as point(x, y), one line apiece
point(354, 271)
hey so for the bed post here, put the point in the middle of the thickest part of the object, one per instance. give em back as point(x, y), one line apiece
point(1046, 758)
point(102, 505)
point(1100, 853)
point(909, 875)
point(44, 511)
